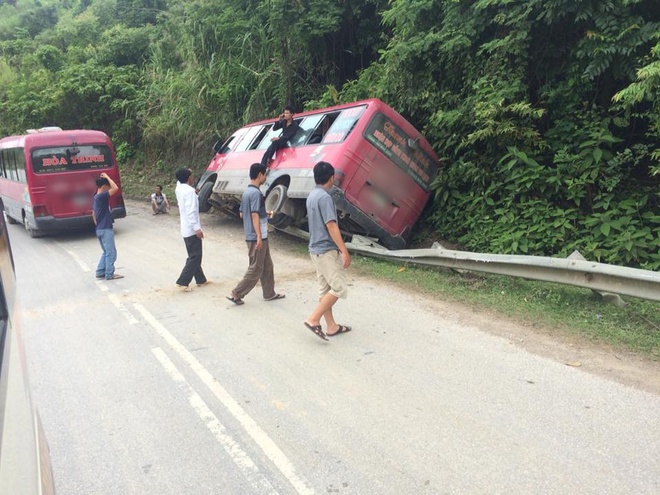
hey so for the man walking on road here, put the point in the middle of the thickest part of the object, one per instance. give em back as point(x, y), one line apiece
point(191, 230)
point(102, 217)
point(255, 224)
point(328, 253)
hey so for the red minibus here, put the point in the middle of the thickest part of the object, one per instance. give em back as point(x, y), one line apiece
point(47, 178)
point(384, 169)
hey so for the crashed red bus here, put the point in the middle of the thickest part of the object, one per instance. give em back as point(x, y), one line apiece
point(47, 178)
point(384, 170)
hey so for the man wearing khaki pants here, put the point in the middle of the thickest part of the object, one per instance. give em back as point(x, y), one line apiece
point(328, 253)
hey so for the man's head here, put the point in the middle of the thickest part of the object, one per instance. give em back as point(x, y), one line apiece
point(183, 175)
point(102, 184)
point(159, 189)
point(288, 112)
point(258, 172)
point(323, 173)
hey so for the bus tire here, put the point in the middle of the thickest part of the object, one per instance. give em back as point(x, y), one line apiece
point(274, 202)
point(204, 195)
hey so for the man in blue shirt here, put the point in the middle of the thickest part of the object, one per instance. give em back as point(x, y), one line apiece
point(328, 252)
point(102, 217)
point(255, 225)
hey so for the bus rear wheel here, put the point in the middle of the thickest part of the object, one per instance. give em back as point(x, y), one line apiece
point(204, 195)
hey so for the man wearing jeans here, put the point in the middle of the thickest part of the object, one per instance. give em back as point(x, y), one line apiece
point(102, 217)
point(191, 230)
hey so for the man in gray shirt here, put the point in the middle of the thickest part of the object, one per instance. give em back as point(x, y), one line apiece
point(328, 253)
point(255, 225)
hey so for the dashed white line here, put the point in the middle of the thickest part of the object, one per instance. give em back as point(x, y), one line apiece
point(122, 309)
point(237, 454)
point(80, 262)
point(267, 445)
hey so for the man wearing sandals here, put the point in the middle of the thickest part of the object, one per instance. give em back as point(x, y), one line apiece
point(328, 253)
point(255, 225)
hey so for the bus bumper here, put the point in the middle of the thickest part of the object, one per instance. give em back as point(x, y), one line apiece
point(50, 223)
point(371, 228)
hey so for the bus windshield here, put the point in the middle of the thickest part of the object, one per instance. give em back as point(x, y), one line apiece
point(71, 158)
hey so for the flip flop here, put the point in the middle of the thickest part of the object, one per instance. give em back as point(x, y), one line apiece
point(275, 297)
point(341, 329)
point(237, 301)
point(317, 329)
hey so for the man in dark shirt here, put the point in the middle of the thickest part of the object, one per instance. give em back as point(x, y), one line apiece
point(102, 217)
point(289, 128)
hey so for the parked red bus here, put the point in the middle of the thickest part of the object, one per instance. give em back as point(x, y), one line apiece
point(47, 178)
point(384, 170)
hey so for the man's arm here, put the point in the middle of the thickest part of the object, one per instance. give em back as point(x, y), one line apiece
point(191, 212)
point(257, 228)
point(335, 235)
point(113, 187)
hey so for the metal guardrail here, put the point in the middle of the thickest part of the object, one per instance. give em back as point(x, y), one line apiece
point(575, 270)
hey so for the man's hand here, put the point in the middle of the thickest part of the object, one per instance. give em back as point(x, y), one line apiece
point(273, 139)
point(199, 233)
point(104, 175)
point(347, 258)
point(260, 244)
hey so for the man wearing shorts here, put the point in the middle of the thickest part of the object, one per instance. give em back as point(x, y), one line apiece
point(328, 253)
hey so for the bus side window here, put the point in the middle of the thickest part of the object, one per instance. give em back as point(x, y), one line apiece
point(307, 126)
point(11, 165)
point(20, 165)
point(262, 141)
point(322, 129)
point(2, 164)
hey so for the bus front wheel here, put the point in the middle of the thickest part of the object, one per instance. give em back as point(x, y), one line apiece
point(274, 202)
point(204, 195)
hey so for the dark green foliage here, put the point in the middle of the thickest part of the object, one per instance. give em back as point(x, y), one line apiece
point(517, 98)
point(545, 113)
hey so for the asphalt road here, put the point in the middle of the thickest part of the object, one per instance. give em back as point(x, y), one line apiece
point(144, 389)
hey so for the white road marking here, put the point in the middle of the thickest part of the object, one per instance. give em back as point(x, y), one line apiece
point(237, 454)
point(122, 309)
point(269, 448)
point(80, 262)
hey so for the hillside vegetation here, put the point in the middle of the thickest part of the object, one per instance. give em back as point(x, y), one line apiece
point(546, 114)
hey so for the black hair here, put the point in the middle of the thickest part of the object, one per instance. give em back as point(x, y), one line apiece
point(256, 169)
point(159, 186)
point(102, 181)
point(183, 174)
point(323, 171)
point(290, 109)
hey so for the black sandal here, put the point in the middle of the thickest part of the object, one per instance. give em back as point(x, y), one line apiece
point(317, 329)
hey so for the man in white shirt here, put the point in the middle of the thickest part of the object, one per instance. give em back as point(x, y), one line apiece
point(191, 230)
